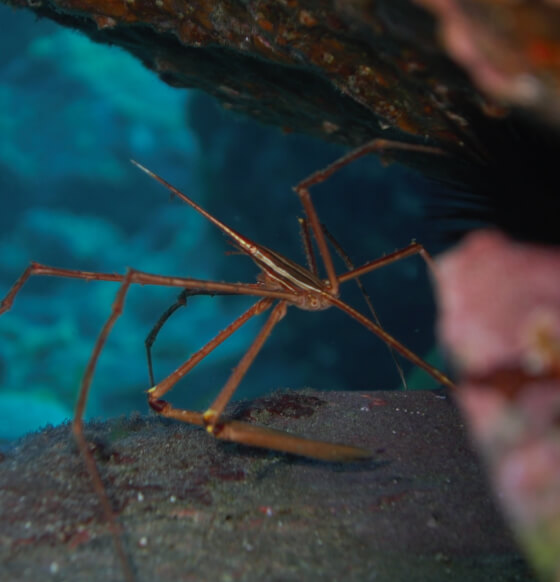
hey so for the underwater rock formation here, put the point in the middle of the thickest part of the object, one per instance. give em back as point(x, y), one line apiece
point(327, 69)
point(419, 510)
point(500, 320)
point(352, 71)
point(343, 71)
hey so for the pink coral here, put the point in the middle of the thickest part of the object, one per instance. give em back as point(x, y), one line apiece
point(500, 321)
point(500, 304)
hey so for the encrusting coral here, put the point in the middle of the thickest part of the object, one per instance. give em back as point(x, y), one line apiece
point(499, 302)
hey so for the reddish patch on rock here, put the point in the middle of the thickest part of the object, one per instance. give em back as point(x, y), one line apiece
point(373, 401)
point(79, 538)
point(119, 459)
point(227, 473)
point(287, 405)
point(387, 500)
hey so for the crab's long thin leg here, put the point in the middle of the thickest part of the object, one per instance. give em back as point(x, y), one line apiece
point(375, 145)
point(141, 278)
point(152, 336)
point(302, 190)
point(213, 414)
point(252, 289)
point(350, 265)
point(38, 269)
point(393, 342)
point(276, 440)
point(308, 246)
point(413, 248)
point(305, 235)
point(180, 302)
point(268, 438)
point(78, 428)
point(241, 432)
point(160, 389)
point(315, 226)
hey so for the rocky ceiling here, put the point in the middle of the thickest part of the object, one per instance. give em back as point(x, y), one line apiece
point(480, 79)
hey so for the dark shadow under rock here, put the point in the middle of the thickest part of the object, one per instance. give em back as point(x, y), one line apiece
point(197, 509)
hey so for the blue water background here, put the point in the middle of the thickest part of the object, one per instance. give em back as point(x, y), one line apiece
point(72, 113)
